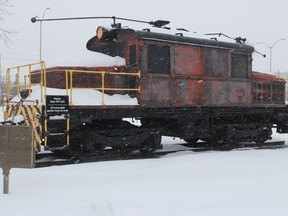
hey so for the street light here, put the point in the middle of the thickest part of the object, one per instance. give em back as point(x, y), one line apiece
point(41, 32)
point(270, 47)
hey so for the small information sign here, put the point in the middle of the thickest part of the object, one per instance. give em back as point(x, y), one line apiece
point(16, 150)
point(57, 104)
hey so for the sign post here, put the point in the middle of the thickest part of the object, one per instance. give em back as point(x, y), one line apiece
point(16, 150)
point(6, 172)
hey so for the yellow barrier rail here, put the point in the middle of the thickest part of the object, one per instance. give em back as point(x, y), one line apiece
point(26, 84)
point(69, 82)
point(23, 81)
point(19, 79)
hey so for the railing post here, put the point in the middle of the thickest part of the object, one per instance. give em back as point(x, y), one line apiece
point(103, 87)
point(68, 129)
point(41, 82)
point(8, 84)
point(71, 86)
point(45, 76)
point(66, 81)
point(18, 81)
point(29, 76)
point(45, 130)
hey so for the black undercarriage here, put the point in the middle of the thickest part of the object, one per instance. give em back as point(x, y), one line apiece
point(93, 129)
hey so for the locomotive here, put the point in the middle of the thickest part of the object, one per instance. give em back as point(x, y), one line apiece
point(191, 88)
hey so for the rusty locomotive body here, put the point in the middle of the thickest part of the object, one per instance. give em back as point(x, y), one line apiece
point(185, 87)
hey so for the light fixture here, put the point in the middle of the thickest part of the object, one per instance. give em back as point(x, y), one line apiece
point(101, 32)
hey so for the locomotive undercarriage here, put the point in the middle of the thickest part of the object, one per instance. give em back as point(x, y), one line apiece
point(100, 135)
point(97, 130)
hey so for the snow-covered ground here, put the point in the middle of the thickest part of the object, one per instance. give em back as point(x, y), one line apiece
point(213, 183)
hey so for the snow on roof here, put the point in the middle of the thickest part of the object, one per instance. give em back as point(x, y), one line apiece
point(84, 58)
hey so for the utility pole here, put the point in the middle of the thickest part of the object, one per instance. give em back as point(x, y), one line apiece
point(270, 48)
point(40, 46)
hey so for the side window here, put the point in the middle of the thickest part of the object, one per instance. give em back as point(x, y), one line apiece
point(239, 66)
point(278, 90)
point(132, 55)
point(158, 59)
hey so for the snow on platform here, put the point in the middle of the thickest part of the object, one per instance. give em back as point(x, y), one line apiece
point(81, 97)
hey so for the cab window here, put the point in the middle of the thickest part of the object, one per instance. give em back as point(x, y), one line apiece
point(239, 66)
point(158, 59)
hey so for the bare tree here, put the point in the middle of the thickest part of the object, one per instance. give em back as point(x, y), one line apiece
point(5, 5)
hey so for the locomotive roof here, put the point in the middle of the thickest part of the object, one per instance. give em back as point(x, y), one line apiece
point(177, 39)
point(125, 34)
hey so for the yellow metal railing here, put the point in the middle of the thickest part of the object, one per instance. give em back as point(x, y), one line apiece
point(23, 76)
point(102, 88)
point(26, 83)
point(19, 78)
point(24, 71)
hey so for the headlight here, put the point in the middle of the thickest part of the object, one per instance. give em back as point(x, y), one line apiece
point(101, 31)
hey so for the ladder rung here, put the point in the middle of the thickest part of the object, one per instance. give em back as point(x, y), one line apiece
point(56, 133)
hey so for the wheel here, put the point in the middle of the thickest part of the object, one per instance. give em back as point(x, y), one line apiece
point(151, 144)
point(85, 143)
point(264, 135)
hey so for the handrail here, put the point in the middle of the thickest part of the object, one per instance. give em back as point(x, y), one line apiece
point(27, 84)
point(69, 82)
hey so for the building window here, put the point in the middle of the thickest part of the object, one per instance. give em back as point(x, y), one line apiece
point(159, 59)
point(239, 66)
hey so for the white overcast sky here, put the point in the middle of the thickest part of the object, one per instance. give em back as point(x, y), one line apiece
point(257, 20)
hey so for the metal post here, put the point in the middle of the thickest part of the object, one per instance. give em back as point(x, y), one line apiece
point(40, 54)
point(6, 172)
point(40, 46)
point(270, 59)
point(103, 88)
point(270, 49)
point(5, 184)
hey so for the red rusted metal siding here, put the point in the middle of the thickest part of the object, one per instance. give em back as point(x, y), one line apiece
point(177, 92)
point(227, 93)
point(186, 61)
point(264, 77)
point(198, 77)
point(155, 91)
point(162, 91)
point(267, 89)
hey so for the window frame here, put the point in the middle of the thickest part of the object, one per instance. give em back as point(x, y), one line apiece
point(237, 71)
point(154, 55)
